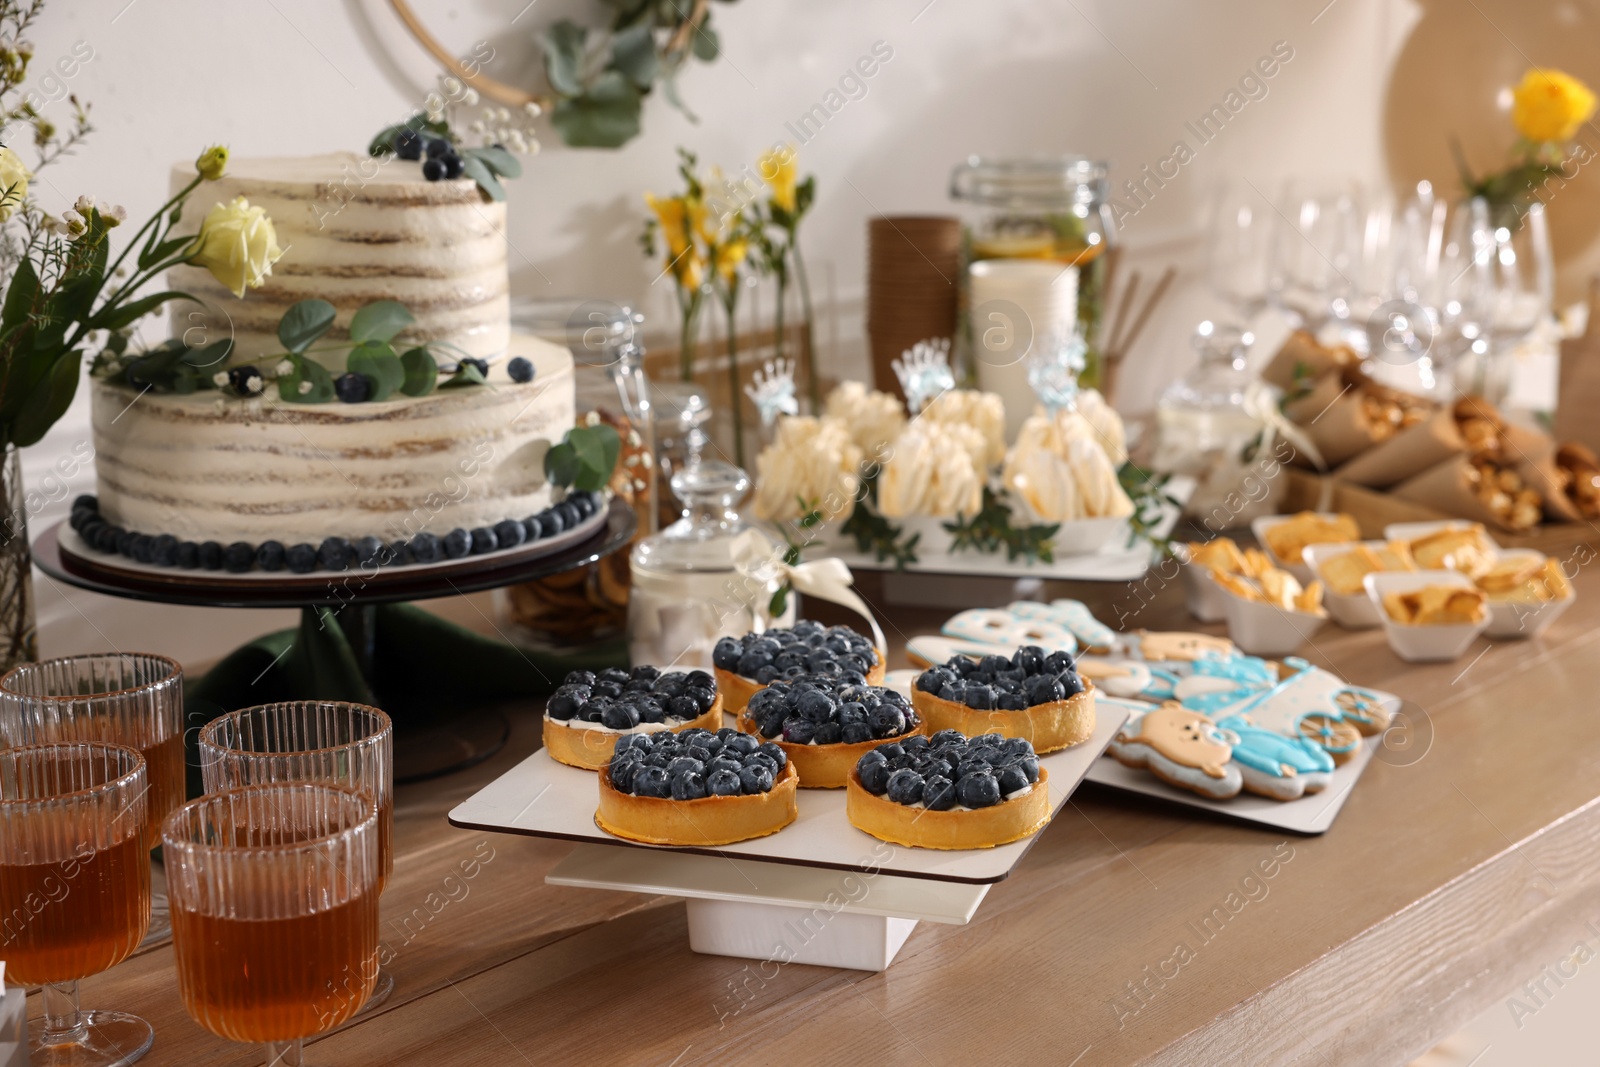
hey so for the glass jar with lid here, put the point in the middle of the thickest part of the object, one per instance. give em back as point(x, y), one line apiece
point(1054, 209)
point(708, 575)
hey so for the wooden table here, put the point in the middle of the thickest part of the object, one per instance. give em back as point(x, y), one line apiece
point(1133, 933)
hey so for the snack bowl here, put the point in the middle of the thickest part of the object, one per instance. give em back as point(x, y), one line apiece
point(1426, 642)
point(1261, 629)
point(1412, 531)
point(1259, 527)
point(1353, 611)
point(1206, 600)
point(1512, 620)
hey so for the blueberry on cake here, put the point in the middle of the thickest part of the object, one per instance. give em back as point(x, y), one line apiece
point(825, 725)
point(585, 714)
point(695, 788)
point(1032, 695)
point(949, 791)
point(745, 664)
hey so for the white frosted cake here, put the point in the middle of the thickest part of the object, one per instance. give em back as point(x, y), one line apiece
point(241, 466)
point(355, 230)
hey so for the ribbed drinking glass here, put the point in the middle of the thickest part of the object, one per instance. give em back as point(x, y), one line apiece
point(326, 741)
point(123, 698)
point(74, 890)
point(274, 911)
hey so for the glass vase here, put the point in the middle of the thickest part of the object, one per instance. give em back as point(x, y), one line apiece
point(19, 637)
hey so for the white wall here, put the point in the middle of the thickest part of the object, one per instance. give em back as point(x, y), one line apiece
point(1099, 77)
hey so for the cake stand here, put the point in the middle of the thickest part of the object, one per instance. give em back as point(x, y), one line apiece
point(359, 640)
point(818, 891)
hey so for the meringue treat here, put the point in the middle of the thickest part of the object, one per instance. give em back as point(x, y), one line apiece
point(983, 412)
point(1059, 471)
point(874, 418)
point(812, 460)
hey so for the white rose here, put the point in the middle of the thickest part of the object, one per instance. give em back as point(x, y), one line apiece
point(238, 245)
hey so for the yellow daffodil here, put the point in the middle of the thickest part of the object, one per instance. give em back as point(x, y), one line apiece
point(729, 256)
point(779, 169)
point(1550, 105)
point(690, 271)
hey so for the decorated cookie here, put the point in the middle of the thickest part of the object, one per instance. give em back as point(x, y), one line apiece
point(1272, 765)
point(1180, 645)
point(1183, 748)
point(1092, 634)
point(1007, 630)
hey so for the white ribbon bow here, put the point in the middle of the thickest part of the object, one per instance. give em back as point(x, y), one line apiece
point(826, 579)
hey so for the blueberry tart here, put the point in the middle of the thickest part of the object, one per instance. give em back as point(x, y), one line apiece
point(949, 791)
point(746, 664)
point(584, 716)
point(695, 788)
point(1031, 695)
point(825, 726)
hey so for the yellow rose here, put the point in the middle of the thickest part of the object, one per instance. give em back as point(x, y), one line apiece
point(779, 169)
point(13, 182)
point(1550, 105)
point(237, 244)
point(729, 256)
point(212, 162)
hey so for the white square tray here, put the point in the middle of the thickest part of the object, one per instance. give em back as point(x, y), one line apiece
point(1311, 814)
point(543, 798)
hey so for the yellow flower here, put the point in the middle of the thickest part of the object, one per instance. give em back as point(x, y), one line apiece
point(238, 245)
point(1550, 105)
point(13, 182)
point(690, 271)
point(729, 256)
point(779, 169)
point(212, 162)
point(671, 214)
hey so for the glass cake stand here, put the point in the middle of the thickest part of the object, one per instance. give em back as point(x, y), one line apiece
point(360, 640)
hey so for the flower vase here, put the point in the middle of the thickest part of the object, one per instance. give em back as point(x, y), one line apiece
point(19, 638)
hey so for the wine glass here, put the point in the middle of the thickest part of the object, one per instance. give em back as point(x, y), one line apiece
point(74, 890)
point(1312, 250)
point(1238, 249)
point(325, 741)
point(274, 911)
point(126, 698)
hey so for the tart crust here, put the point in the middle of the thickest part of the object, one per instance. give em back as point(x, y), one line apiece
point(740, 689)
point(825, 766)
point(900, 824)
point(707, 821)
point(590, 749)
point(1050, 727)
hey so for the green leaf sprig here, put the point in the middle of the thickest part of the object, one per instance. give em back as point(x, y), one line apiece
point(990, 530)
point(585, 459)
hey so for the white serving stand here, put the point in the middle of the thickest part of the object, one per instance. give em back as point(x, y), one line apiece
point(1113, 561)
point(819, 891)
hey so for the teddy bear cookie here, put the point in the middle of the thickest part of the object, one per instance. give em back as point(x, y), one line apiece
point(746, 664)
point(695, 788)
point(825, 727)
point(949, 791)
point(588, 712)
point(1218, 760)
point(1031, 694)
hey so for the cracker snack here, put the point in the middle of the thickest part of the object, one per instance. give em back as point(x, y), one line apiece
point(1525, 580)
point(1345, 572)
point(1289, 538)
point(1465, 548)
point(1436, 605)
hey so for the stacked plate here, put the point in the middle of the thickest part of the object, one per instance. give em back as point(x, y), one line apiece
point(1018, 305)
point(913, 266)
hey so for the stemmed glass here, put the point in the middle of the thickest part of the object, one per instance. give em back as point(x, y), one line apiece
point(1238, 250)
point(1313, 248)
point(74, 890)
point(274, 911)
point(126, 698)
point(324, 741)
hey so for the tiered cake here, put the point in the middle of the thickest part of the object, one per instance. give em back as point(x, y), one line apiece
point(188, 469)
